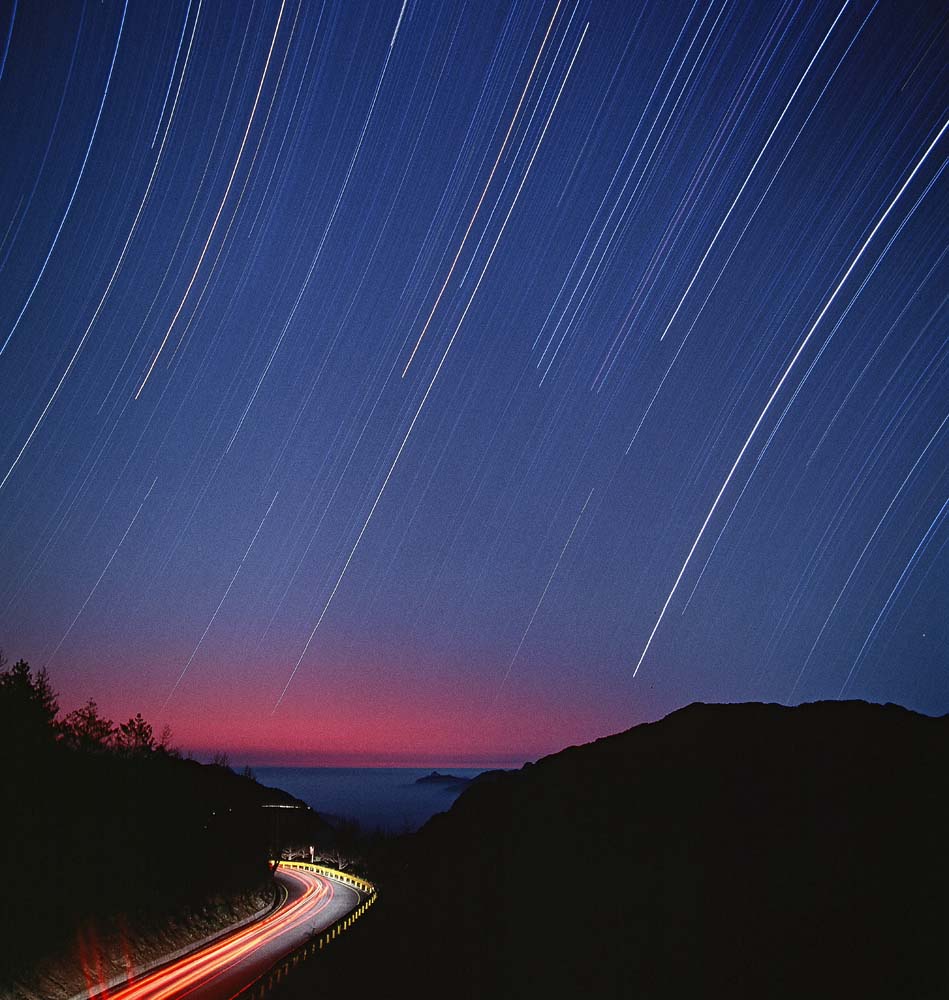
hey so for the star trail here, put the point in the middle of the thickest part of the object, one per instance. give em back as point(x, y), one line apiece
point(412, 381)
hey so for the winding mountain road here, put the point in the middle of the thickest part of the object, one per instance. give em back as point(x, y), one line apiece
point(227, 967)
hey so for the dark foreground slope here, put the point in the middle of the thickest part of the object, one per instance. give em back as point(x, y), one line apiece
point(101, 849)
point(728, 850)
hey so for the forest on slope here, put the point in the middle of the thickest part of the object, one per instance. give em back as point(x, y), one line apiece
point(109, 835)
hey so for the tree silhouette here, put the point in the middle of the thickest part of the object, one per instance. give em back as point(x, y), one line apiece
point(135, 736)
point(85, 729)
point(28, 708)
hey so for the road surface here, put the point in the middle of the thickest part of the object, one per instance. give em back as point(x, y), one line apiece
point(225, 968)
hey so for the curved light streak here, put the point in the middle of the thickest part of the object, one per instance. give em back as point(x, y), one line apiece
point(201, 967)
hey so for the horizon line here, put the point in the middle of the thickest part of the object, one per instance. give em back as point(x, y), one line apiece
point(263, 759)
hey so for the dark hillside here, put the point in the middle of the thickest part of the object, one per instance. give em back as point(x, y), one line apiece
point(97, 836)
point(727, 850)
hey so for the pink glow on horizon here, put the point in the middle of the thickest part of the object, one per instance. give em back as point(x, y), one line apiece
point(328, 721)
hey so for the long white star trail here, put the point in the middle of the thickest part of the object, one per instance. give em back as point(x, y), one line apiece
point(431, 384)
point(784, 375)
point(487, 184)
point(72, 196)
point(864, 550)
point(326, 231)
point(105, 569)
point(543, 593)
point(220, 208)
point(744, 183)
point(115, 272)
point(379, 303)
point(897, 587)
point(220, 604)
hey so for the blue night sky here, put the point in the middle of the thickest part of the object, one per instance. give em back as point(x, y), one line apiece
point(403, 382)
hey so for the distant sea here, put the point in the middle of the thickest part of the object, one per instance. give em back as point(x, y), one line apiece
point(378, 798)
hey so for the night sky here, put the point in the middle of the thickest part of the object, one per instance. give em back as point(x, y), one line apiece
point(451, 382)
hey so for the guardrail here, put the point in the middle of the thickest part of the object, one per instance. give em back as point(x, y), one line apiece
point(353, 880)
point(279, 972)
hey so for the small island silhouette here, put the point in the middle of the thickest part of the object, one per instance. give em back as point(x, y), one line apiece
point(447, 780)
